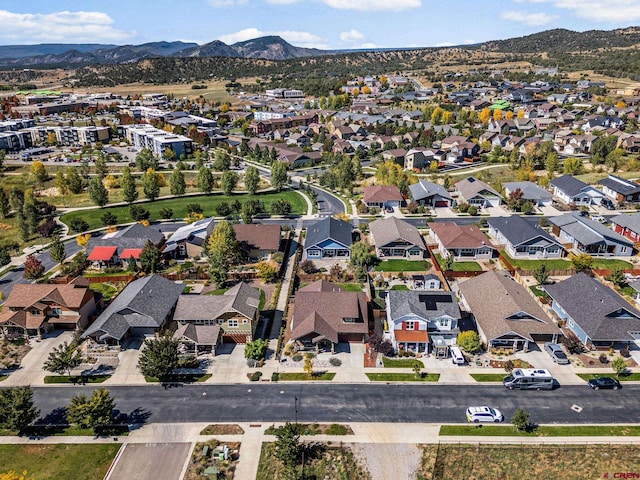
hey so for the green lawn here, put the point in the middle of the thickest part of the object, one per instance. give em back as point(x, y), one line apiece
point(625, 377)
point(3, 377)
point(294, 377)
point(56, 462)
point(106, 290)
point(178, 205)
point(402, 377)
point(552, 264)
point(542, 431)
point(183, 378)
point(488, 377)
point(50, 379)
point(399, 287)
point(350, 287)
point(219, 291)
point(611, 263)
point(403, 266)
point(469, 266)
point(401, 362)
point(538, 292)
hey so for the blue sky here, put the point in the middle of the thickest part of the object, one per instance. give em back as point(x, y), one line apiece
point(308, 23)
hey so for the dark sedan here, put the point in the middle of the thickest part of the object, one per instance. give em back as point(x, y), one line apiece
point(604, 382)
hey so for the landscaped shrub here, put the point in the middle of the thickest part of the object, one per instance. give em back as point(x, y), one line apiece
point(336, 429)
point(255, 376)
point(603, 358)
point(625, 352)
point(297, 357)
point(275, 376)
point(336, 362)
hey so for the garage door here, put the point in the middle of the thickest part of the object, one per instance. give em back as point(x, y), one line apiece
point(350, 337)
point(442, 203)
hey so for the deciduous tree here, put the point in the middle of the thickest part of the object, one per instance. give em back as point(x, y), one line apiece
point(128, 185)
point(252, 179)
point(159, 357)
point(98, 192)
point(33, 268)
point(229, 181)
point(205, 180)
point(279, 176)
point(151, 184)
point(63, 358)
point(177, 184)
point(469, 341)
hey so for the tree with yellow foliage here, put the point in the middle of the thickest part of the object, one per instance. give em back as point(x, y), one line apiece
point(144, 222)
point(342, 216)
point(38, 171)
point(308, 364)
point(355, 92)
point(383, 79)
point(366, 90)
point(446, 117)
point(520, 113)
point(497, 114)
point(193, 217)
point(11, 475)
point(621, 104)
point(484, 115)
point(508, 115)
point(110, 182)
point(82, 240)
point(436, 116)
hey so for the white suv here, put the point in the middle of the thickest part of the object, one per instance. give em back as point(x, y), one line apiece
point(484, 414)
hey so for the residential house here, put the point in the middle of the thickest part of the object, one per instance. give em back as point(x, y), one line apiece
point(142, 309)
point(257, 241)
point(506, 315)
point(325, 315)
point(415, 317)
point(35, 308)
point(461, 242)
point(537, 196)
point(570, 190)
point(328, 238)
point(589, 236)
point(188, 241)
point(228, 318)
point(418, 158)
point(476, 192)
point(382, 196)
point(116, 248)
point(429, 281)
point(596, 314)
point(431, 194)
point(619, 189)
point(396, 155)
point(627, 225)
point(395, 238)
point(523, 240)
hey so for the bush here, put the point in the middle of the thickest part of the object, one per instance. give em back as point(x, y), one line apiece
point(194, 208)
point(573, 344)
point(138, 213)
point(336, 362)
point(603, 358)
point(473, 210)
point(275, 376)
point(307, 266)
point(625, 352)
point(297, 357)
point(469, 341)
point(78, 225)
point(255, 376)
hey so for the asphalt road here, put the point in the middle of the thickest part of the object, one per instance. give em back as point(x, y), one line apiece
point(356, 403)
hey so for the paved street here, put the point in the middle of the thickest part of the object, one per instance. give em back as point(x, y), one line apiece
point(399, 403)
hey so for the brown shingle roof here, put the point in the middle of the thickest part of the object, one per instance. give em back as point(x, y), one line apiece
point(452, 235)
point(495, 298)
point(258, 236)
point(25, 295)
point(382, 193)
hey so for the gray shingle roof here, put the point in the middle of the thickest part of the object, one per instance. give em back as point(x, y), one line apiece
point(329, 228)
point(600, 312)
point(620, 185)
point(424, 189)
point(424, 304)
point(569, 184)
point(137, 230)
point(471, 187)
point(628, 220)
point(518, 231)
point(241, 298)
point(145, 302)
point(530, 191)
point(587, 231)
point(390, 229)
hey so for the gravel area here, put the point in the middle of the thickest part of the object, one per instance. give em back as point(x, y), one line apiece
point(376, 457)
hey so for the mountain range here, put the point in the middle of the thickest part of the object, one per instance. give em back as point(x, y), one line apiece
point(269, 48)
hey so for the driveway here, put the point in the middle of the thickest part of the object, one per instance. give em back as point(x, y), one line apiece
point(564, 374)
point(127, 372)
point(31, 371)
point(150, 461)
point(228, 365)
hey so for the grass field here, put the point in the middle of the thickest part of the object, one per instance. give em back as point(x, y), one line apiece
point(55, 379)
point(57, 462)
point(296, 376)
point(542, 431)
point(321, 462)
point(402, 377)
point(401, 362)
point(526, 462)
point(178, 205)
point(403, 266)
point(350, 287)
point(625, 377)
point(488, 377)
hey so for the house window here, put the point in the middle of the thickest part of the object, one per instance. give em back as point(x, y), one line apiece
point(313, 253)
point(57, 311)
point(410, 325)
point(233, 323)
point(349, 320)
point(444, 322)
point(35, 312)
point(245, 321)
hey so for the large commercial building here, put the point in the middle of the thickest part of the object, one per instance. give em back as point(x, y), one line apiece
point(156, 140)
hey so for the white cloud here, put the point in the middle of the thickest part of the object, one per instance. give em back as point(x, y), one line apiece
point(65, 26)
point(614, 11)
point(225, 3)
point(367, 45)
point(532, 19)
point(351, 36)
point(363, 5)
point(299, 39)
point(445, 44)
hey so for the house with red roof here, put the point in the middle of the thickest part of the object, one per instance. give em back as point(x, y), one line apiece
point(382, 196)
point(115, 249)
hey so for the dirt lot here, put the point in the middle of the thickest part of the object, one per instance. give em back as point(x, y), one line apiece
point(376, 456)
point(527, 462)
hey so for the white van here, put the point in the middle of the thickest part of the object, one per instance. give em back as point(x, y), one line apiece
point(456, 355)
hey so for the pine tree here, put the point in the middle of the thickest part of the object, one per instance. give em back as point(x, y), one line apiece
point(252, 180)
point(56, 251)
point(177, 183)
point(98, 192)
point(151, 184)
point(205, 180)
point(128, 185)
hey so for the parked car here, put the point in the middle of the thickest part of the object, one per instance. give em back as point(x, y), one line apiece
point(598, 218)
point(607, 203)
point(556, 352)
point(484, 414)
point(604, 382)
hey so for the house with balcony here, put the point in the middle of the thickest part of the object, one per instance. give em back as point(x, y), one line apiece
point(415, 317)
point(523, 240)
point(32, 309)
point(395, 238)
point(228, 318)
